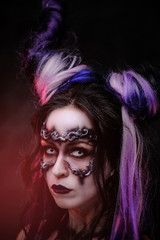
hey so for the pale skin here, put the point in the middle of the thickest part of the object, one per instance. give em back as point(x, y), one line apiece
point(83, 201)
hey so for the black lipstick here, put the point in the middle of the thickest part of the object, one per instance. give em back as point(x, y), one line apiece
point(60, 189)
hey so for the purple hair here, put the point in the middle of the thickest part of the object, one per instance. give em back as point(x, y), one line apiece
point(138, 102)
point(52, 34)
point(54, 69)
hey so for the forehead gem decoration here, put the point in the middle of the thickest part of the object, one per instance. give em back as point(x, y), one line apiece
point(68, 136)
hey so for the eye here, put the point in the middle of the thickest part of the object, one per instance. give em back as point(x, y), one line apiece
point(77, 153)
point(50, 151)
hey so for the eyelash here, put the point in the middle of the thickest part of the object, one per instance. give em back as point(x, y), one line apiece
point(85, 152)
point(44, 150)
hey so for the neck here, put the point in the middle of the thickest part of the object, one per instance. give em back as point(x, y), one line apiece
point(80, 218)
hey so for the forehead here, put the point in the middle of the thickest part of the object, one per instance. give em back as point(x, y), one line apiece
point(66, 118)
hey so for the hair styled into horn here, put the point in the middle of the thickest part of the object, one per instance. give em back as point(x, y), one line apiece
point(54, 71)
point(119, 107)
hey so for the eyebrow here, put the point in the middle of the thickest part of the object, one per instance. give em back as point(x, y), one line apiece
point(76, 141)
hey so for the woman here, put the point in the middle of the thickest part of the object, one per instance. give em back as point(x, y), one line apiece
point(88, 173)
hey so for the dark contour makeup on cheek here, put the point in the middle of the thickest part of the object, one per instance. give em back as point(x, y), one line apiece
point(81, 143)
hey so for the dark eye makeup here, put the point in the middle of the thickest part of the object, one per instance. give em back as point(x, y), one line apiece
point(75, 150)
point(79, 152)
point(49, 150)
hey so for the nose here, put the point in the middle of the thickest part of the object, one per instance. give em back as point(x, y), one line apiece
point(60, 168)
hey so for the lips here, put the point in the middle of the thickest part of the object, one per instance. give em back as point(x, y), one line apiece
point(60, 189)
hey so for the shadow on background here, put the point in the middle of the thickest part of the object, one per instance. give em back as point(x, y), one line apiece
point(110, 33)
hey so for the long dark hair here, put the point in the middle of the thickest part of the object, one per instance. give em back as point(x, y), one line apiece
point(104, 111)
point(118, 108)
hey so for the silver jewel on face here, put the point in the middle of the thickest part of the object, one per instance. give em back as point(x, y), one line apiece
point(44, 165)
point(78, 172)
point(68, 136)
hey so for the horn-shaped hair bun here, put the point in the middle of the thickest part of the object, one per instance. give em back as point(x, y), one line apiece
point(54, 71)
point(135, 93)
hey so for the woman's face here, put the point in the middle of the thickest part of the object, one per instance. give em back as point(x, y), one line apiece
point(65, 187)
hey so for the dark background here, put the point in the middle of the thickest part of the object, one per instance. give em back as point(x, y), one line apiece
point(109, 32)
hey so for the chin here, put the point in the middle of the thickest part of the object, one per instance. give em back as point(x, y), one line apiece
point(67, 203)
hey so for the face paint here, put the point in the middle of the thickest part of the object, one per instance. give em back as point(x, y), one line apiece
point(68, 135)
point(52, 136)
point(68, 162)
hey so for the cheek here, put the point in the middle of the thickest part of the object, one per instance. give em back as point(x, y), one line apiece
point(83, 194)
point(49, 179)
point(87, 190)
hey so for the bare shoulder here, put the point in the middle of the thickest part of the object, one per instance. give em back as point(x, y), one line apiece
point(53, 236)
point(21, 235)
